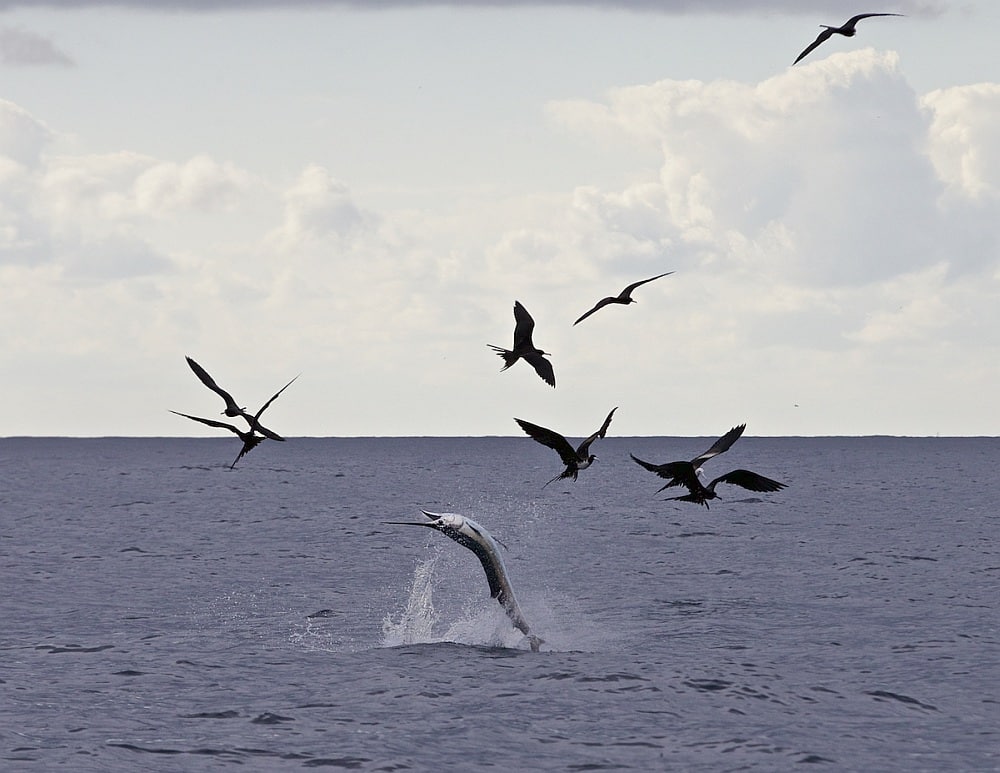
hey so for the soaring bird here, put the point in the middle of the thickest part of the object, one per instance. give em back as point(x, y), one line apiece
point(624, 297)
point(575, 460)
point(524, 348)
point(469, 534)
point(232, 409)
point(686, 473)
point(250, 440)
point(846, 29)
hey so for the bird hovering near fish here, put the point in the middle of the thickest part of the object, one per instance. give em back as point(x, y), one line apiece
point(624, 297)
point(232, 409)
point(469, 534)
point(250, 440)
point(686, 473)
point(846, 29)
point(524, 348)
point(576, 459)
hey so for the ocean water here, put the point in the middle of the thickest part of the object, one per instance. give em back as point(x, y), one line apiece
point(161, 612)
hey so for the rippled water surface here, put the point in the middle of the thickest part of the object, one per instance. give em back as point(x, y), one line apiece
point(162, 612)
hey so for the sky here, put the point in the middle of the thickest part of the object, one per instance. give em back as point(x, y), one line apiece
point(358, 193)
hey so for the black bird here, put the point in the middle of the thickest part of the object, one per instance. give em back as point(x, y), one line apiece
point(524, 348)
point(847, 30)
point(232, 409)
point(686, 473)
point(700, 494)
point(624, 297)
point(250, 440)
point(575, 460)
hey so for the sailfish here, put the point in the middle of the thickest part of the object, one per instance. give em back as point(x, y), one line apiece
point(469, 534)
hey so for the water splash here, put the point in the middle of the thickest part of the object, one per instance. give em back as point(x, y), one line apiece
point(416, 623)
point(480, 624)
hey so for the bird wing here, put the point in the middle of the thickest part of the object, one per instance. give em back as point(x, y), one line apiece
point(524, 325)
point(824, 35)
point(542, 367)
point(849, 24)
point(720, 445)
point(599, 305)
point(584, 447)
point(748, 480)
point(250, 442)
point(208, 381)
point(265, 405)
point(550, 439)
point(627, 292)
point(212, 423)
point(675, 473)
point(256, 426)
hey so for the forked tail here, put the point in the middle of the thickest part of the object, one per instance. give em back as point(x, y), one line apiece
point(509, 357)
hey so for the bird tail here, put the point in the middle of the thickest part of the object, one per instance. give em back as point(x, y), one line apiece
point(509, 358)
point(564, 474)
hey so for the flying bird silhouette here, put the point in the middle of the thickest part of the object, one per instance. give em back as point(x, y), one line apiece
point(846, 29)
point(469, 534)
point(700, 494)
point(624, 297)
point(686, 473)
point(524, 348)
point(232, 409)
point(250, 440)
point(576, 459)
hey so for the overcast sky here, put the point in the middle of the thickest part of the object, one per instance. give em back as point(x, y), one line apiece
point(358, 192)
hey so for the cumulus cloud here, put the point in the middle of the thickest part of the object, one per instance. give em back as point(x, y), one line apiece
point(86, 214)
point(815, 175)
point(318, 205)
point(827, 220)
point(962, 142)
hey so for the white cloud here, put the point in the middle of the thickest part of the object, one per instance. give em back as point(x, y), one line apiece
point(318, 205)
point(824, 221)
point(815, 175)
point(962, 141)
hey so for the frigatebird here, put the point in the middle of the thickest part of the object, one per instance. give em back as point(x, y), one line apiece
point(250, 440)
point(232, 409)
point(846, 29)
point(684, 473)
point(576, 459)
point(624, 297)
point(469, 534)
point(524, 348)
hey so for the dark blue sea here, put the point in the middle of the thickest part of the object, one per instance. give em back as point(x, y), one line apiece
point(161, 612)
